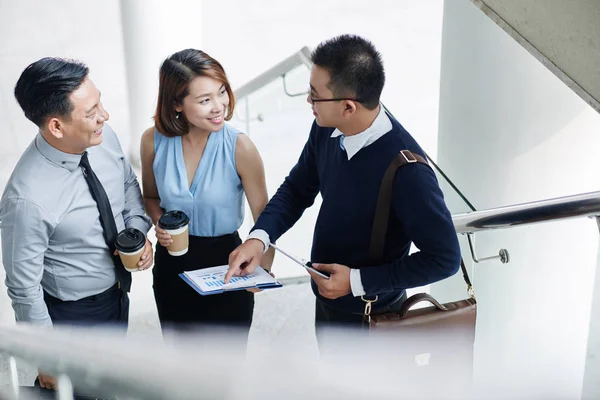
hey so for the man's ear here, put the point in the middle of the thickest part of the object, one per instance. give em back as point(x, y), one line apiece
point(55, 127)
point(349, 108)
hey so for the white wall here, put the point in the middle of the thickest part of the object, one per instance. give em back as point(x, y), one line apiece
point(152, 30)
point(253, 36)
point(511, 132)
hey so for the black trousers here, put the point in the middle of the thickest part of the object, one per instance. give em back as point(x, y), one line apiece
point(329, 320)
point(180, 307)
point(109, 308)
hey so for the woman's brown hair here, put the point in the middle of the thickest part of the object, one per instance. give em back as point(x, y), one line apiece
point(176, 73)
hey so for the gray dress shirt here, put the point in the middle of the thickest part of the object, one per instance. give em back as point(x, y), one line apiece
point(51, 234)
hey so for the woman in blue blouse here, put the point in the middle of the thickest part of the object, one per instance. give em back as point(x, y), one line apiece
point(194, 162)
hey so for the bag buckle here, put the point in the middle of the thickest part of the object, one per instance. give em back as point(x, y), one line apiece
point(408, 156)
point(368, 307)
point(471, 292)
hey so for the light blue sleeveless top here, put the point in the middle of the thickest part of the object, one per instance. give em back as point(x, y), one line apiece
point(215, 201)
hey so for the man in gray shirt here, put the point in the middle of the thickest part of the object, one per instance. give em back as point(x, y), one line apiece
point(56, 249)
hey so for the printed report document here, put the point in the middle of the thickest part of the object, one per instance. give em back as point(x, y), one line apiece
point(207, 281)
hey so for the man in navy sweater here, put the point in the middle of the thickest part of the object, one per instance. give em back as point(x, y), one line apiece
point(351, 144)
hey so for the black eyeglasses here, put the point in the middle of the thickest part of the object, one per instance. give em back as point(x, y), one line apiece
point(313, 100)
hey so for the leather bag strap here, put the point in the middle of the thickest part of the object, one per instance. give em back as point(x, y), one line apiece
point(384, 205)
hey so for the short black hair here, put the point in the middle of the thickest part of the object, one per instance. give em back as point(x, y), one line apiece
point(355, 67)
point(44, 87)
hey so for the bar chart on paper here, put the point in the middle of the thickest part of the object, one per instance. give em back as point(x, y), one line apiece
point(217, 281)
point(211, 280)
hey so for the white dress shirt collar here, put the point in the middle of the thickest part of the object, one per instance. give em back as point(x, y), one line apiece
point(353, 144)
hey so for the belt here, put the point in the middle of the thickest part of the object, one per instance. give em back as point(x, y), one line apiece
point(116, 286)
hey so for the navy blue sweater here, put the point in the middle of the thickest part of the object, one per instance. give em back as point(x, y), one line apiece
point(343, 229)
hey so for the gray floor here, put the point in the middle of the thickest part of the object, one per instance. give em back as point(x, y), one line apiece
point(282, 316)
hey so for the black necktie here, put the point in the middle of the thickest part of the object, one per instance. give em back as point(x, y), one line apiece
point(107, 220)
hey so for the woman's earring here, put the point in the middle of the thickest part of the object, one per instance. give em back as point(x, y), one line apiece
point(177, 115)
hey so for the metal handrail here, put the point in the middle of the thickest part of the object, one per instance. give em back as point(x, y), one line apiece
point(107, 364)
point(301, 57)
point(580, 205)
point(210, 365)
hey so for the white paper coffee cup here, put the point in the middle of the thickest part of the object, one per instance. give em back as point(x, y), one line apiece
point(176, 223)
point(130, 244)
point(130, 260)
point(181, 241)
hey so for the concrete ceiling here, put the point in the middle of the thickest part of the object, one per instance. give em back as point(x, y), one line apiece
point(562, 34)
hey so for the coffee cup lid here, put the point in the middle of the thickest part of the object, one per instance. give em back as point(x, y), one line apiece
point(173, 220)
point(130, 240)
